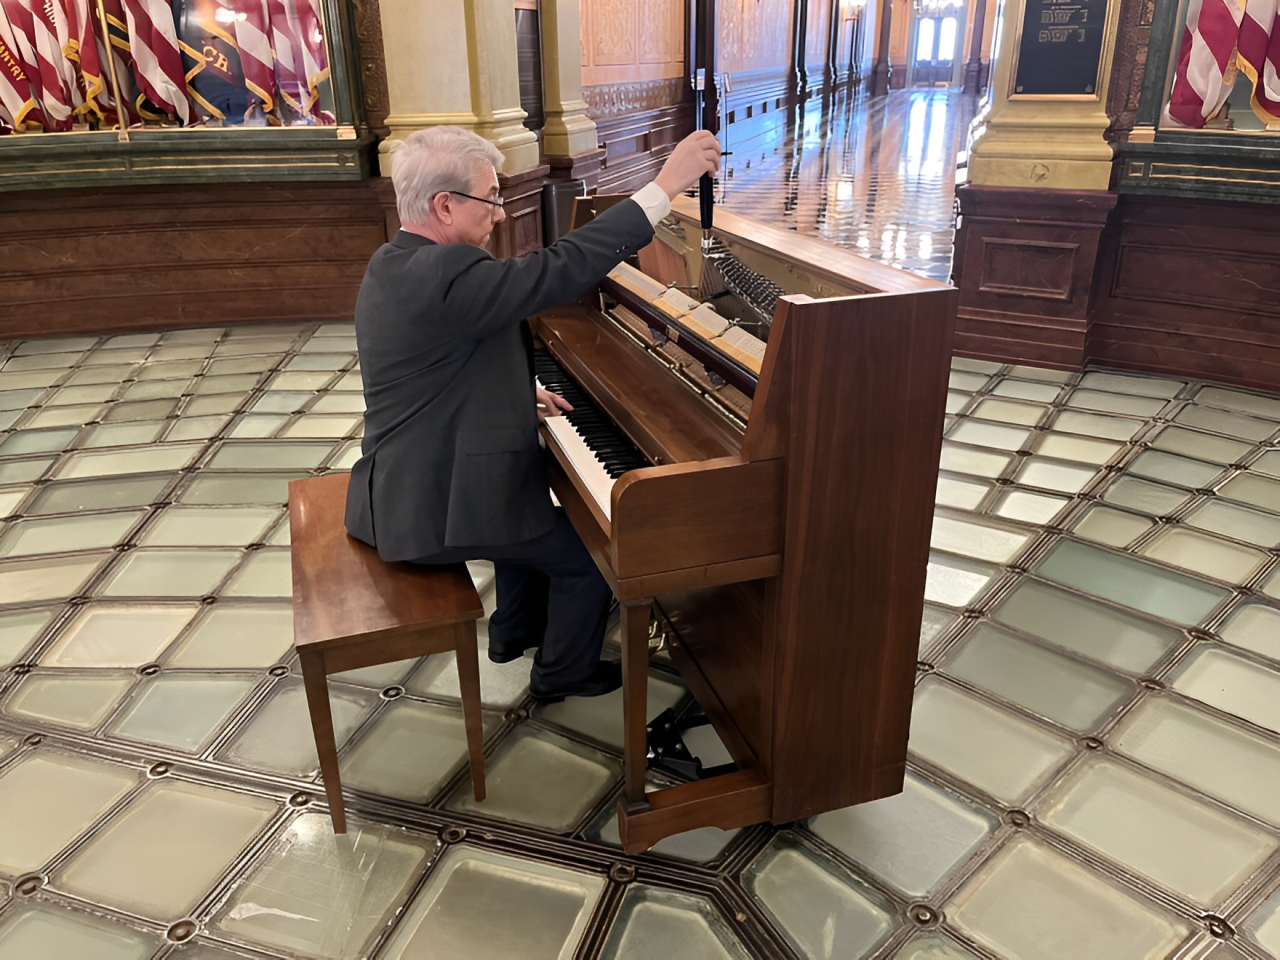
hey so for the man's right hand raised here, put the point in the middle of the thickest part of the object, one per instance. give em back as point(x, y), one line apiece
point(693, 156)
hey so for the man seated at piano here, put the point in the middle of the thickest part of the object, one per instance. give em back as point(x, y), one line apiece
point(451, 468)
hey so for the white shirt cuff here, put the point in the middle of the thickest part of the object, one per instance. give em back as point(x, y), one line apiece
point(653, 201)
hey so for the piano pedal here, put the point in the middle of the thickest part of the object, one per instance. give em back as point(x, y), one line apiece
point(667, 752)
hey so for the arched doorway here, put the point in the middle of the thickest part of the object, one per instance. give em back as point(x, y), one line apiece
point(937, 43)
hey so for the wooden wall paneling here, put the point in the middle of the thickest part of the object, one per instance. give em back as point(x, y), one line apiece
point(818, 37)
point(1185, 290)
point(630, 41)
point(152, 257)
point(753, 35)
point(1024, 264)
point(521, 231)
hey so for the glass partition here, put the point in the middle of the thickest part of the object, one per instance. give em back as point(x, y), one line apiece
point(85, 65)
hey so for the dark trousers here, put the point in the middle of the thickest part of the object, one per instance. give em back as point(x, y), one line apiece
point(549, 589)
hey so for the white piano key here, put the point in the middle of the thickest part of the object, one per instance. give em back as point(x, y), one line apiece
point(592, 472)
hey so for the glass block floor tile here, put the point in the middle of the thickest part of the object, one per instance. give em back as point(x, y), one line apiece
point(600, 718)
point(79, 702)
point(409, 751)
point(57, 535)
point(279, 736)
point(19, 629)
point(1232, 684)
point(244, 636)
point(1263, 924)
point(541, 779)
point(1116, 528)
point(823, 911)
point(266, 573)
point(118, 635)
point(37, 930)
point(1254, 626)
point(152, 859)
point(1047, 683)
point(1132, 819)
point(502, 685)
point(181, 710)
point(208, 526)
point(1031, 902)
point(1018, 676)
point(321, 895)
point(1144, 586)
point(1200, 446)
point(527, 910)
point(995, 750)
point(982, 541)
point(655, 923)
point(932, 946)
point(56, 797)
point(913, 840)
point(1119, 639)
point(1216, 757)
point(156, 572)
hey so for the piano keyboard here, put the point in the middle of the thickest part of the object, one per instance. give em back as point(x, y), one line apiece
point(597, 449)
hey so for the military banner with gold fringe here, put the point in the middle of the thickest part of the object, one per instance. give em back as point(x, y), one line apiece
point(18, 106)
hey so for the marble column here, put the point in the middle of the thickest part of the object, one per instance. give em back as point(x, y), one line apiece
point(569, 137)
point(1047, 143)
point(880, 76)
point(454, 62)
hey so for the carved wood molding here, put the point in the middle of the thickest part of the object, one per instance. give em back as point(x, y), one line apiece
point(373, 66)
point(608, 100)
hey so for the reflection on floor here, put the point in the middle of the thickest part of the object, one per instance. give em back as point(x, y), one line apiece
point(1094, 755)
point(876, 175)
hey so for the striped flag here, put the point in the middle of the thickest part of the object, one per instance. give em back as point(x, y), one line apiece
point(157, 61)
point(1208, 43)
point(83, 50)
point(257, 60)
point(1259, 56)
point(315, 59)
point(291, 78)
point(113, 53)
point(38, 50)
point(18, 107)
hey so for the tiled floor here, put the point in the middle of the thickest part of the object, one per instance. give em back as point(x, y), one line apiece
point(1095, 753)
point(875, 175)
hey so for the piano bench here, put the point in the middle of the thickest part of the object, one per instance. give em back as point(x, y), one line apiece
point(351, 609)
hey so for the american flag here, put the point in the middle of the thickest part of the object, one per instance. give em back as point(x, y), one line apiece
point(1259, 56)
point(257, 59)
point(157, 61)
point(37, 48)
point(18, 107)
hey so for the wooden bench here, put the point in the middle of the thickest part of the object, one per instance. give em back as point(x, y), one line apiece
point(351, 609)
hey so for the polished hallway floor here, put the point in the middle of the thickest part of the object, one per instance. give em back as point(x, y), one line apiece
point(875, 175)
point(1095, 749)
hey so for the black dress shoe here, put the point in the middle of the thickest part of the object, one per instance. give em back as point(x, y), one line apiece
point(606, 678)
point(506, 652)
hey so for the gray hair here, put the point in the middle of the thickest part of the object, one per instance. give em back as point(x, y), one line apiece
point(437, 160)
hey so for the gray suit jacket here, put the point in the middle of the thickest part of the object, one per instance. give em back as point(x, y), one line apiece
point(450, 452)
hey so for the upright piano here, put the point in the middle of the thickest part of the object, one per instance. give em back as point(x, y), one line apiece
point(753, 468)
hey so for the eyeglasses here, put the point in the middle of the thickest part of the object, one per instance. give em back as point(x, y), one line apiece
point(496, 202)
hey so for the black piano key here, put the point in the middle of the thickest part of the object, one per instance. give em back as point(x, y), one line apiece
point(610, 445)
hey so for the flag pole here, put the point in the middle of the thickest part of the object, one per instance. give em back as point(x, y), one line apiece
point(122, 111)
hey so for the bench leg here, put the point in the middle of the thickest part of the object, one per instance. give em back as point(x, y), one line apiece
point(317, 687)
point(635, 692)
point(469, 684)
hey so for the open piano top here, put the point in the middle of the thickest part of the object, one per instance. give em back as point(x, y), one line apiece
point(765, 483)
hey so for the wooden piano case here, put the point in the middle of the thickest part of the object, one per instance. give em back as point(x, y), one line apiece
point(788, 560)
